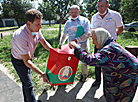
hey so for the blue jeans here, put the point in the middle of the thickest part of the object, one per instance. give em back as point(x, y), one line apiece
point(97, 69)
point(25, 76)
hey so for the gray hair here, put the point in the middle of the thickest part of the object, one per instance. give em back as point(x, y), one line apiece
point(75, 7)
point(107, 1)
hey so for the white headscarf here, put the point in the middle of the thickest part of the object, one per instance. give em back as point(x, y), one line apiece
point(102, 35)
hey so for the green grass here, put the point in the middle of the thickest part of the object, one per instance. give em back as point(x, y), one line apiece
point(128, 38)
point(41, 55)
point(52, 26)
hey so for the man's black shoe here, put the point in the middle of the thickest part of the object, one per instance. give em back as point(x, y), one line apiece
point(96, 83)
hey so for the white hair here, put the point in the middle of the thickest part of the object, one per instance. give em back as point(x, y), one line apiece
point(75, 7)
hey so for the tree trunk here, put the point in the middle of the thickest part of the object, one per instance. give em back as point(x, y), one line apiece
point(49, 22)
point(18, 23)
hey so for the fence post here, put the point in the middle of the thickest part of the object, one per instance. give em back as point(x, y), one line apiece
point(1, 36)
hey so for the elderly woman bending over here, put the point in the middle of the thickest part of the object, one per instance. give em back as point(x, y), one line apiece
point(119, 67)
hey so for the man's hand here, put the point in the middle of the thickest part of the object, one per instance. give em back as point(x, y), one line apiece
point(45, 78)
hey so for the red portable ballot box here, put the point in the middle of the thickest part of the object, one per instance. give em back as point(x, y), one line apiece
point(61, 67)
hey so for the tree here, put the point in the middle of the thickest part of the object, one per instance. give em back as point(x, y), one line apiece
point(61, 9)
point(5, 7)
point(15, 9)
point(129, 10)
point(83, 10)
point(48, 12)
point(91, 7)
point(115, 5)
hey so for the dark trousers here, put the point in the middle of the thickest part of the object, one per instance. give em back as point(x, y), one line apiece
point(25, 76)
point(97, 69)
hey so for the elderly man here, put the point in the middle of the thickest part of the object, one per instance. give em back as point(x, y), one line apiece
point(70, 30)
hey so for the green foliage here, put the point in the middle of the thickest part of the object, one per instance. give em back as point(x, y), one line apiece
point(128, 38)
point(60, 7)
point(47, 10)
point(83, 10)
point(5, 48)
point(115, 5)
point(129, 10)
point(91, 7)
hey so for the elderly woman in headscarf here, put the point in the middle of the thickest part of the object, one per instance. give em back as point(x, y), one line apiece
point(119, 67)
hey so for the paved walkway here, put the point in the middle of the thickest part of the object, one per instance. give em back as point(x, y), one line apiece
point(10, 91)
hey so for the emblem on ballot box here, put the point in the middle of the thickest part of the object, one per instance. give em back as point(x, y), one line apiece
point(65, 73)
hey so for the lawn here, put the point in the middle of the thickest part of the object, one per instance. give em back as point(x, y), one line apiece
point(41, 55)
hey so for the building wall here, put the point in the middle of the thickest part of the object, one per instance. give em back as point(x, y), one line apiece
point(1, 23)
point(7, 23)
point(47, 22)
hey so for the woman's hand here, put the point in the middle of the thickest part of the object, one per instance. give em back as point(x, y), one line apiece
point(73, 44)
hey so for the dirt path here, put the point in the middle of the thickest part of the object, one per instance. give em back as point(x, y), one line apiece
point(6, 33)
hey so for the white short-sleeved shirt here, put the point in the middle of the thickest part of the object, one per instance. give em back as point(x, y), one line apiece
point(110, 22)
point(23, 42)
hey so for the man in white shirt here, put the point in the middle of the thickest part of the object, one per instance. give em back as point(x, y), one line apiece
point(111, 21)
